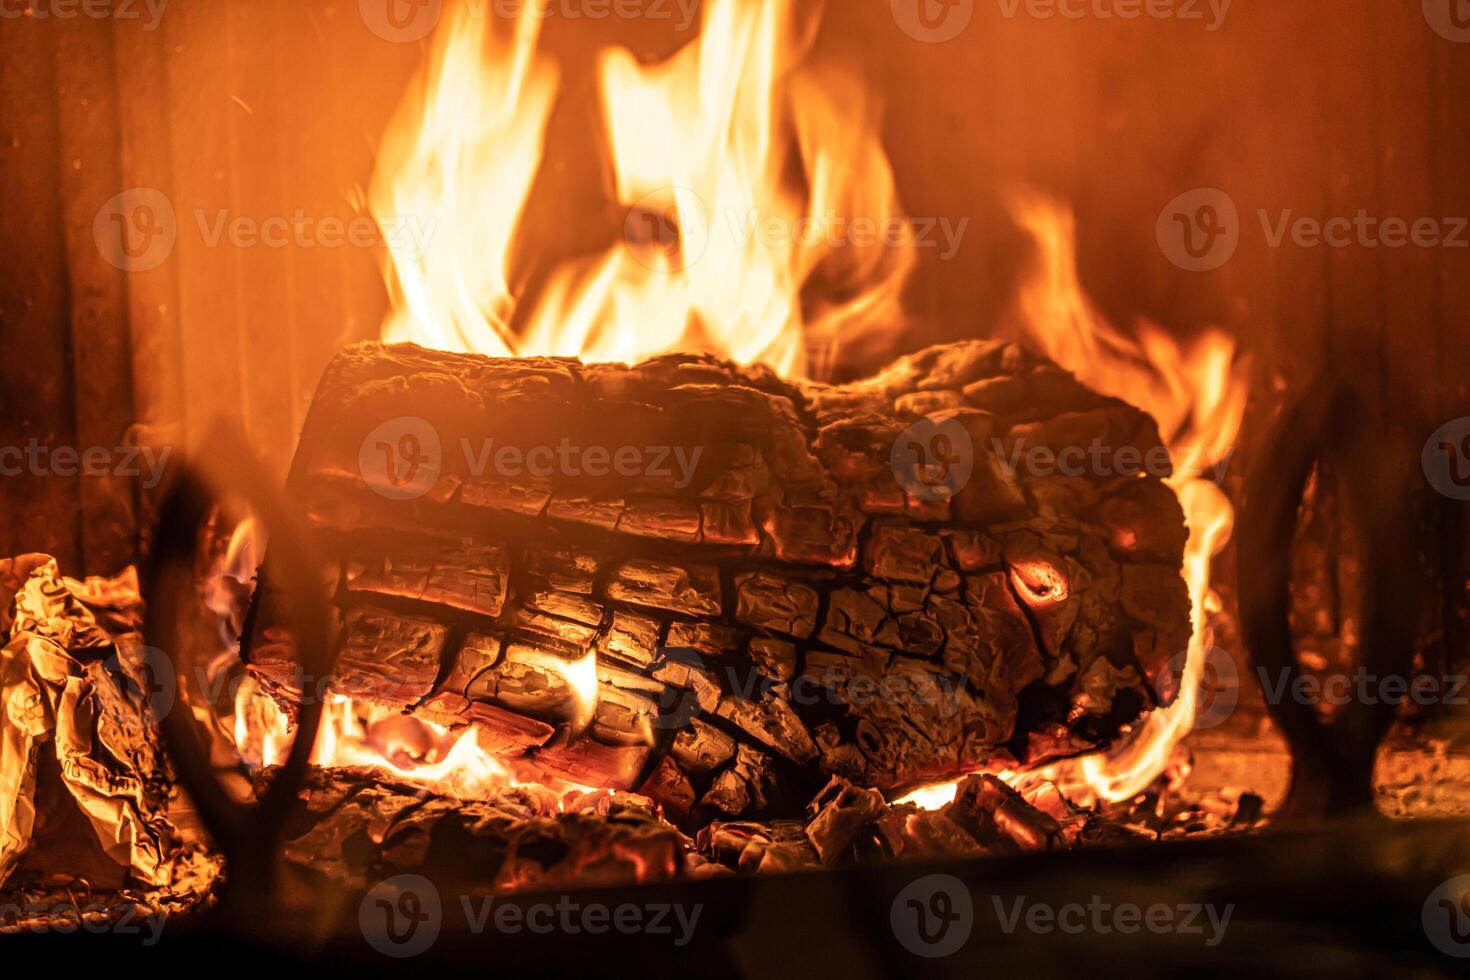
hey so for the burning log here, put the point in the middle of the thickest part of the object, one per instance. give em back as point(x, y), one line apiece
point(724, 588)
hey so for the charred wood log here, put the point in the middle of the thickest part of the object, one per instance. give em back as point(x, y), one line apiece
point(778, 581)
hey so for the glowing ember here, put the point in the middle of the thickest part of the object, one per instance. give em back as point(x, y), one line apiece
point(354, 734)
point(935, 796)
point(1040, 581)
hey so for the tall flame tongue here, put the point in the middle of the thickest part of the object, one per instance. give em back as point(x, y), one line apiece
point(738, 170)
point(460, 156)
point(1197, 392)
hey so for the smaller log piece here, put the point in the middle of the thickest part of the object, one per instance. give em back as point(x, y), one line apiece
point(750, 847)
point(839, 815)
point(986, 817)
point(846, 823)
point(357, 827)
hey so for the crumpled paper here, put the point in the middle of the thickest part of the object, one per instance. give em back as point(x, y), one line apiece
point(75, 685)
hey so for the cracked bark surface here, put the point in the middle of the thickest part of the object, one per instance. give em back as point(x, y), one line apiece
point(769, 604)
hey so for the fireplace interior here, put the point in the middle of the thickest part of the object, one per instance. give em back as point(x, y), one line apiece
point(894, 487)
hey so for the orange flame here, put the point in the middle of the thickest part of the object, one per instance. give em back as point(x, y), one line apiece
point(719, 240)
point(1197, 392)
point(460, 157)
point(353, 734)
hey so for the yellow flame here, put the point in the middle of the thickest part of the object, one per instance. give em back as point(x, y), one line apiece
point(355, 734)
point(459, 161)
point(718, 240)
point(582, 676)
point(936, 796)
